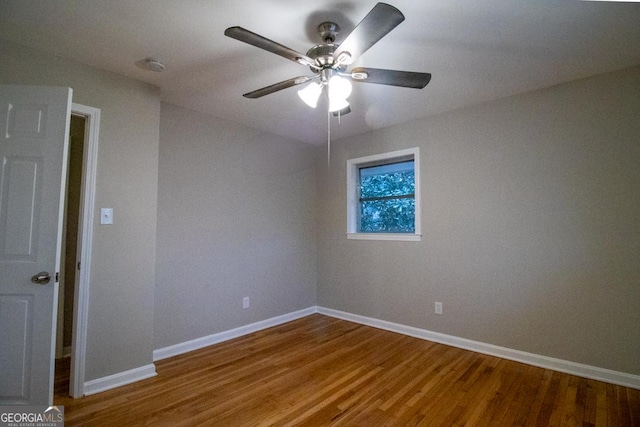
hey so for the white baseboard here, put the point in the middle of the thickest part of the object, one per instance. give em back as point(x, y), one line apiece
point(144, 372)
point(119, 379)
point(578, 369)
point(198, 343)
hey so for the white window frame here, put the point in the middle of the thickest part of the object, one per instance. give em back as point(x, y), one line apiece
point(353, 167)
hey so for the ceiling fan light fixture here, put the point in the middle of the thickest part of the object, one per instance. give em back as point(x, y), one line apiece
point(311, 94)
point(339, 88)
point(337, 104)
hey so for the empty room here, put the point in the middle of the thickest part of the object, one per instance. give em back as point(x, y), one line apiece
point(340, 213)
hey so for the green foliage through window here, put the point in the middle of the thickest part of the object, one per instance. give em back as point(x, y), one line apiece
point(387, 198)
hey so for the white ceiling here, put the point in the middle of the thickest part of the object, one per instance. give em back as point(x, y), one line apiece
point(476, 51)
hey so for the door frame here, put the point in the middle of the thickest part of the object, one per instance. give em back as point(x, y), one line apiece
point(83, 278)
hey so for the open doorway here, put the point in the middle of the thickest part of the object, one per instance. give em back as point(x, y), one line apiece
point(70, 264)
point(73, 313)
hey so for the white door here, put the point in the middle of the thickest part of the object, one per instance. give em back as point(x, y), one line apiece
point(34, 123)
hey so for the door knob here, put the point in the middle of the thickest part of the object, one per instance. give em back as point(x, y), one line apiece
point(41, 278)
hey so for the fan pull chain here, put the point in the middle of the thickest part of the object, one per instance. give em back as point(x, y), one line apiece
point(328, 139)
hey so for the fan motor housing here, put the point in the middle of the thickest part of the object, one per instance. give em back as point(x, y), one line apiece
point(322, 54)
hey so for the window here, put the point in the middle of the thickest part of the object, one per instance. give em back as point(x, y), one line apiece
point(383, 196)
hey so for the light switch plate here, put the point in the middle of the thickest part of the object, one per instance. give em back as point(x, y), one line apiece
point(106, 216)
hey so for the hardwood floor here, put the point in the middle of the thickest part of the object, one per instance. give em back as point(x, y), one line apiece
point(320, 371)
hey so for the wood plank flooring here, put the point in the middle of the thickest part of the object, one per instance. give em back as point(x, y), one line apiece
point(321, 371)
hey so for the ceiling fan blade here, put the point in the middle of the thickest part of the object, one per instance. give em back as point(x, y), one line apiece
point(257, 40)
point(278, 86)
point(378, 23)
point(390, 77)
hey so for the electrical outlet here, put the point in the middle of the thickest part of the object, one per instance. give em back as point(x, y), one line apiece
point(438, 308)
point(245, 302)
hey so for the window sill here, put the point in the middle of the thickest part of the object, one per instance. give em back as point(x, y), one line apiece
point(385, 236)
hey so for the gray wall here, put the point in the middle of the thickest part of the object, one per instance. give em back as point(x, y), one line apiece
point(531, 222)
point(236, 218)
point(120, 330)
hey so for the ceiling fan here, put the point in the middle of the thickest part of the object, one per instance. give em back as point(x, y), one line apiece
point(329, 61)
